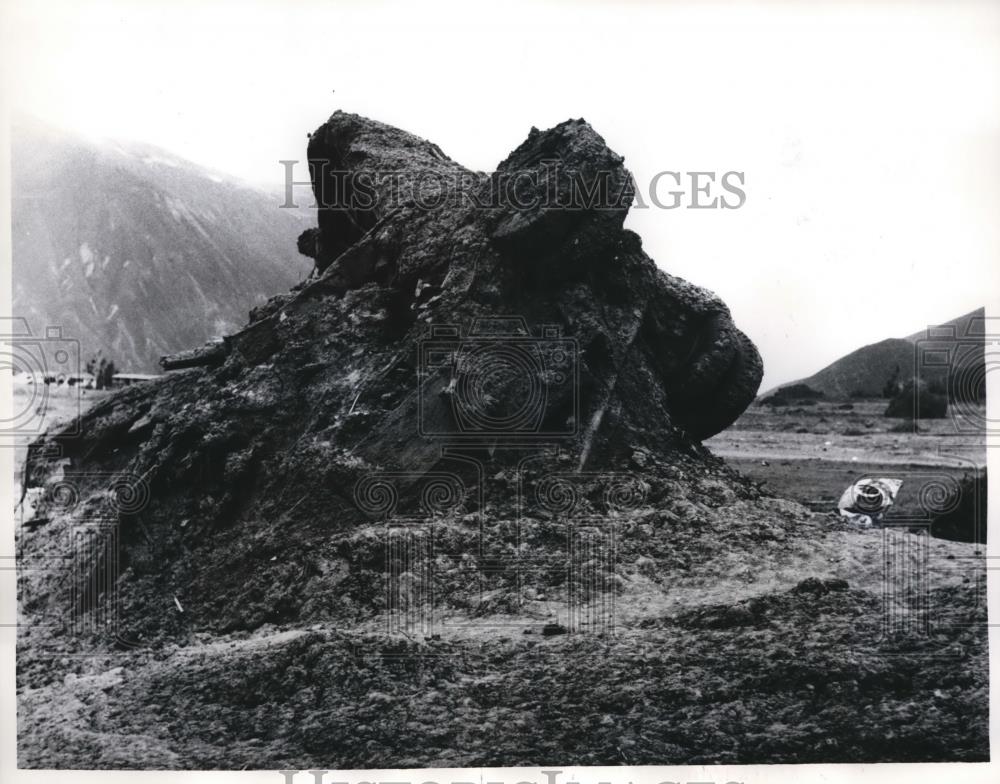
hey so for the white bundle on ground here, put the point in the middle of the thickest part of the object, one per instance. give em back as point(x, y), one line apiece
point(866, 501)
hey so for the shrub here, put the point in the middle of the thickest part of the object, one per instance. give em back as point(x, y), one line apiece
point(803, 394)
point(893, 386)
point(917, 403)
point(963, 515)
point(799, 392)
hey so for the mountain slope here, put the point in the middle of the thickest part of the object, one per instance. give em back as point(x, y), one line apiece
point(866, 370)
point(968, 325)
point(136, 252)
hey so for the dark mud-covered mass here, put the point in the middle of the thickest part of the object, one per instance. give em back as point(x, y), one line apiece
point(446, 503)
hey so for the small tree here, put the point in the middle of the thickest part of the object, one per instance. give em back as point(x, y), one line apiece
point(917, 401)
point(892, 387)
point(107, 374)
point(309, 246)
point(103, 370)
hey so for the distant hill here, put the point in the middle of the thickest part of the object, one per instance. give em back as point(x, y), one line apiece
point(969, 325)
point(866, 370)
point(136, 252)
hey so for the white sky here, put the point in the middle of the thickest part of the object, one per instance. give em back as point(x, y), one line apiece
point(869, 134)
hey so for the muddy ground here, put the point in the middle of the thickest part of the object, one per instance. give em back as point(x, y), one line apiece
point(811, 453)
point(745, 628)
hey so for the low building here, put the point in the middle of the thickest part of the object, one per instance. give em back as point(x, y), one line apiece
point(128, 379)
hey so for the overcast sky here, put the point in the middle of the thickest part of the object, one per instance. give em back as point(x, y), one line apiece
point(869, 134)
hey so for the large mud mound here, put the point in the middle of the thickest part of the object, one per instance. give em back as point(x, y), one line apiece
point(462, 325)
point(446, 504)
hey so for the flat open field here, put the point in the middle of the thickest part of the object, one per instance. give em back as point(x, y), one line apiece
point(812, 453)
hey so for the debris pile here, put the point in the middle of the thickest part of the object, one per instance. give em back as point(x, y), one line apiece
point(504, 325)
point(445, 503)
